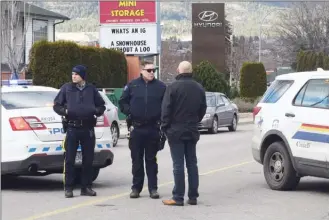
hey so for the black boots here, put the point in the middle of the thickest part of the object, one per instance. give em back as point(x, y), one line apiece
point(84, 192)
point(88, 192)
point(134, 194)
point(153, 194)
point(68, 193)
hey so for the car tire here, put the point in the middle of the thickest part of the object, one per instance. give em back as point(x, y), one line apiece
point(77, 179)
point(214, 128)
point(234, 124)
point(115, 133)
point(278, 169)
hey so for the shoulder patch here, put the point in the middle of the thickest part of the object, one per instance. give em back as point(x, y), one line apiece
point(125, 88)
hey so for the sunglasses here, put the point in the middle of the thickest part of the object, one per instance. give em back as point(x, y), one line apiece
point(150, 70)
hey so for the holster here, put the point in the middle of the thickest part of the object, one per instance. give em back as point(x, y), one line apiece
point(64, 123)
point(162, 140)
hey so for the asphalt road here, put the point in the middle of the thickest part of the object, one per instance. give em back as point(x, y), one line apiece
point(232, 187)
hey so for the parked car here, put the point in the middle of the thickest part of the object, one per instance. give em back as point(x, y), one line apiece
point(32, 134)
point(291, 129)
point(221, 112)
point(112, 114)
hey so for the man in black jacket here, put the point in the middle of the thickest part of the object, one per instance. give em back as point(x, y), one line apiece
point(80, 103)
point(141, 102)
point(183, 107)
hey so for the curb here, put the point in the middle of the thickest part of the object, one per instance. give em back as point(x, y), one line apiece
point(245, 122)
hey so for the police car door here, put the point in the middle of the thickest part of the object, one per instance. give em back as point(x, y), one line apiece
point(309, 115)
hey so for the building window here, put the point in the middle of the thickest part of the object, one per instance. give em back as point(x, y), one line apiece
point(40, 30)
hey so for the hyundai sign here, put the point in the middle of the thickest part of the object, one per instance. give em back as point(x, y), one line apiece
point(208, 19)
point(208, 34)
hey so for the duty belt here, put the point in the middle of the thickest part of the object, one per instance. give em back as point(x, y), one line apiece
point(144, 123)
point(81, 123)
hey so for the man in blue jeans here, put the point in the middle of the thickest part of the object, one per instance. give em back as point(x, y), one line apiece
point(183, 107)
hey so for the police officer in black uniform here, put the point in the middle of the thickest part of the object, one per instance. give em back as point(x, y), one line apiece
point(141, 102)
point(80, 103)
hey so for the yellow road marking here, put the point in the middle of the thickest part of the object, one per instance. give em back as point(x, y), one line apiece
point(121, 195)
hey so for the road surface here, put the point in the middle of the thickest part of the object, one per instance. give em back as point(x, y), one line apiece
point(232, 187)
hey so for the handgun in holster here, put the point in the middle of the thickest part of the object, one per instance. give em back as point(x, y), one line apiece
point(129, 126)
point(64, 123)
point(162, 140)
point(163, 137)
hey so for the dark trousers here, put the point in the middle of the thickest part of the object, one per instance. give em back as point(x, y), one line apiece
point(180, 149)
point(86, 138)
point(144, 142)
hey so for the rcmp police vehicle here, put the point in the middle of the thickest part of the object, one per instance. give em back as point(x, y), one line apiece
point(291, 129)
point(32, 133)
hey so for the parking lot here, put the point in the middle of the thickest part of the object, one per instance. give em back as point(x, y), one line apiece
point(232, 187)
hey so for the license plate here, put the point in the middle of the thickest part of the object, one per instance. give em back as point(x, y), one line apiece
point(78, 158)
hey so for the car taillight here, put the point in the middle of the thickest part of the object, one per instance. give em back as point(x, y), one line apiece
point(26, 123)
point(256, 111)
point(106, 122)
point(102, 122)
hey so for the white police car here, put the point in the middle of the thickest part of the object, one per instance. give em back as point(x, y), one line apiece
point(32, 134)
point(291, 129)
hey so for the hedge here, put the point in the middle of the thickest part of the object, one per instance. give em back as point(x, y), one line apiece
point(51, 64)
point(212, 81)
point(310, 61)
point(252, 80)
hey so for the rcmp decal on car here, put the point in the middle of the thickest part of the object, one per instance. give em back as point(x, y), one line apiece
point(311, 132)
point(56, 130)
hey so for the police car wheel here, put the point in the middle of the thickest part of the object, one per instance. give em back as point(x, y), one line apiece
point(115, 134)
point(278, 169)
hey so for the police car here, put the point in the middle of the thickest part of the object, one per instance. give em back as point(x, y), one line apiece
point(291, 129)
point(32, 133)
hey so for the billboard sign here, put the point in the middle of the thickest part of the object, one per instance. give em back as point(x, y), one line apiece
point(123, 12)
point(130, 39)
point(208, 34)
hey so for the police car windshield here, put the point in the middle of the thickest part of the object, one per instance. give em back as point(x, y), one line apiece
point(27, 99)
point(211, 101)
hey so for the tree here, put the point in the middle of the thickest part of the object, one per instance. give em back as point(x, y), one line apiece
point(13, 15)
point(206, 74)
point(304, 26)
point(253, 80)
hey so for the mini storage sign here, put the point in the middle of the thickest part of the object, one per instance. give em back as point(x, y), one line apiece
point(123, 12)
point(129, 26)
point(130, 39)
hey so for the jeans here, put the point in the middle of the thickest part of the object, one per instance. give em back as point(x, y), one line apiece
point(180, 149)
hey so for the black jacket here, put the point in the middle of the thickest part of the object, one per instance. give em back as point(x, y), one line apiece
point(142, 101)
point(80, 104)
point(183, 107)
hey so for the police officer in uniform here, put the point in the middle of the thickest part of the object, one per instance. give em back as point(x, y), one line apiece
point(80, 103)
point(141, 103)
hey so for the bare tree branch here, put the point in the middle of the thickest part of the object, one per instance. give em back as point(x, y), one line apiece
point(243, 50)
point(15, 22)
point(172, 53)
point(304, 26)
